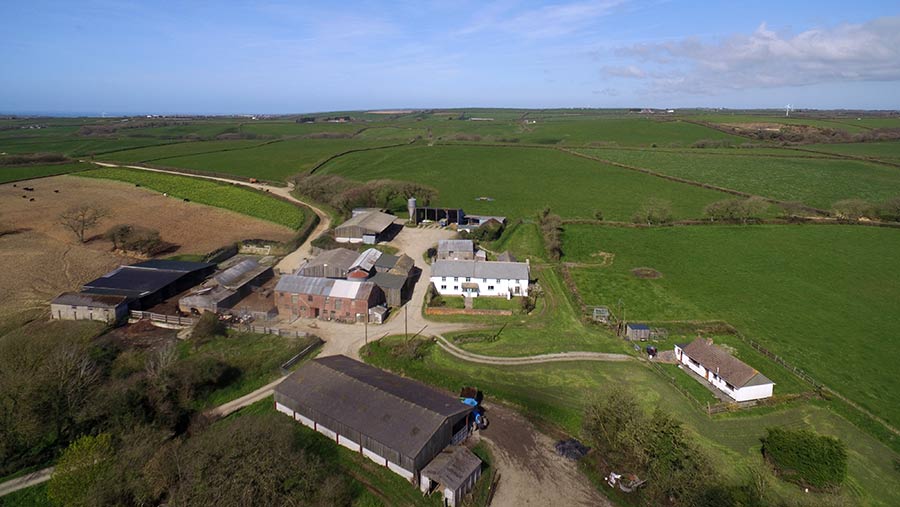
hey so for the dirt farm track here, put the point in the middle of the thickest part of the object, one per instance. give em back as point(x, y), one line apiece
point(40, 259)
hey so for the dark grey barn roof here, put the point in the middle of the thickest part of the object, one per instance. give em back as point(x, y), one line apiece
point(341, 258)
point(183, 266)
point(452, 467)
point(134, 281)
point(389, 281)
point(398, 412)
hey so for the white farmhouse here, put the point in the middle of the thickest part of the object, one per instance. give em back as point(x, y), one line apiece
point(472, 278)
point(728, 374)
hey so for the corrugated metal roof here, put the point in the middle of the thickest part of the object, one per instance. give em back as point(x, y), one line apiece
point(373, 221)
point(386, 261)
point(366, 260)
point(400, 413)
point(715, 359)
point(345, 289)
point(295, 284)
point(452, 467)
point(91, 300)
point(183, 266)
point(455, 245)
point(481, 269)
point(239, 274)
point(340, 258)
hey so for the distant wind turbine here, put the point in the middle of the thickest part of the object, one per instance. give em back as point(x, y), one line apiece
point(787, 110)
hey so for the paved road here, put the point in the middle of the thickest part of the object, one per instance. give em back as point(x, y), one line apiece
point(291, 261)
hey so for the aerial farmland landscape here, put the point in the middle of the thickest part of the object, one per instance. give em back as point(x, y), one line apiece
point(511, 254)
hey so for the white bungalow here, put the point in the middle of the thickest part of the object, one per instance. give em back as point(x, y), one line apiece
point(473, 278)
point(728, 374)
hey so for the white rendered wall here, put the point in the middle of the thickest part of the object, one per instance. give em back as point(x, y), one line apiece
point(374, 457)
point(397, 469)
point(349, 444)
point(284, 410)
point(503, 288)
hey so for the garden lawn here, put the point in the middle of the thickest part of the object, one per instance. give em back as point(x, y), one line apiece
point(555, 393)
point(221, 195)
point(22, 172)
point(823, 297)
point(554, 326)
point(816, 182)
point(522, 181)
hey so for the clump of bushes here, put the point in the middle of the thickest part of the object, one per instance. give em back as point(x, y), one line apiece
point(737, 210)
point(133, 238)
point(344, 195)
point(806, 458)
point(209, 326)
point(653, 212)
point(33, 158)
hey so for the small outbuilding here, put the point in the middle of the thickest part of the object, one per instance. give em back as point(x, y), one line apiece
point(78, 306)
point(226, 288)
point(454, 472)
point(326, 298)
point(455, 250)
point(637, 332)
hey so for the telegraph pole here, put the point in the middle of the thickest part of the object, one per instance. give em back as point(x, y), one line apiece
point(405, 320)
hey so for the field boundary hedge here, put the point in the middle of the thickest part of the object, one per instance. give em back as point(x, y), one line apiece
point(768, 221)
point(328, 159)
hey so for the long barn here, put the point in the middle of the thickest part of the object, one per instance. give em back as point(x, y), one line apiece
point(396, 422)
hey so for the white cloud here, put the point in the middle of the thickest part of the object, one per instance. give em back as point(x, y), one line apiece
point(766, 59)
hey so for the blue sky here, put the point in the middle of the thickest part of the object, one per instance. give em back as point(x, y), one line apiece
point(122, 56)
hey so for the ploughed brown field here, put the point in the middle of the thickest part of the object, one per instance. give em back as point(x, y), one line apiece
point(39, 258)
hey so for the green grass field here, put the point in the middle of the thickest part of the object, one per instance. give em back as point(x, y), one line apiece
point(625, 132)
point(817, 182)
point(522, 181)
point(823, 297)
point(888, 150)
point(555, 393)
point(271, 161)
point(163, 152)
point(38, 171)
point(221, 195)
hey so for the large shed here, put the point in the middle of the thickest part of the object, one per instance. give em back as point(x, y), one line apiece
point(394, 421)
point(147, 283)
point(368, 227)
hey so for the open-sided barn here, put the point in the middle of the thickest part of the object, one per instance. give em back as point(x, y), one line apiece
point(226, 288)
point(394, 421)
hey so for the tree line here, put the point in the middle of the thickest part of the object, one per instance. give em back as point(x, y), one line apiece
point(344, 195)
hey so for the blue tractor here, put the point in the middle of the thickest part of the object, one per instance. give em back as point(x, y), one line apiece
point(473, 397)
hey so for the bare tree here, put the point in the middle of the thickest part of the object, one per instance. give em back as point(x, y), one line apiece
point(79, 219)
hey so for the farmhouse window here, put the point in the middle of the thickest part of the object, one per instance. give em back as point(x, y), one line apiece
point(468, 278)
point(490, 287)
point(443, 287)
point(456, 287)
point(497, 281)
point(309, 297)
point(455, 278)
